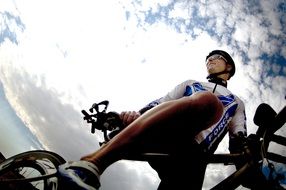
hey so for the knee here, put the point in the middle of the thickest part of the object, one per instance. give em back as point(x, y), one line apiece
point(207, 98)
point(208, 106)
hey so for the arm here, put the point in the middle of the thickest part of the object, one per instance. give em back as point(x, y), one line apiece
point(176, 93)
point(238, 131)
point(238, 122)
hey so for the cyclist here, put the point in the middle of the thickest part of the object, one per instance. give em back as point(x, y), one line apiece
point(193, 117)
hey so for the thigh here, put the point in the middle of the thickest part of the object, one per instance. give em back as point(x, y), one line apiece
point(176, 123)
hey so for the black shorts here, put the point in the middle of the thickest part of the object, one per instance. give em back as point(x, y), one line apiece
point(182, 171)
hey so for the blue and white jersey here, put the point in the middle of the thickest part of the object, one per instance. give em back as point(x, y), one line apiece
point(233, 119)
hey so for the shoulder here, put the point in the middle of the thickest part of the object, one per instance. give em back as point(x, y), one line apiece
point(240, 104)
point(239, 101)
point(189, 82)
point(238, 98)
point(185, 83)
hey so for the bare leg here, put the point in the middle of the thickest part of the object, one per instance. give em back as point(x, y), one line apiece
point(202, 109)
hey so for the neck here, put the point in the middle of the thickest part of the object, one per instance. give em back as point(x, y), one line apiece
point(217, 80)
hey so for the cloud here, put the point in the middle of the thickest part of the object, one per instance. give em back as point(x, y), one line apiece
point(253, 33)
point(10, 25)
point(124, 172)
point(46, 116)
point(12, 127)
point(53, 65)
point(218, 173)
point(61, 129)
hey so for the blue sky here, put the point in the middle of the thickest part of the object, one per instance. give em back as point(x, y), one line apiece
point(13, 128)
point(59, 57)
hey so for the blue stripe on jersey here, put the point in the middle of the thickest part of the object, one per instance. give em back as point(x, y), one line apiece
point(154, 103)
point(198, 87)
point(221, 126)
point(188, 91)
point(226, 100)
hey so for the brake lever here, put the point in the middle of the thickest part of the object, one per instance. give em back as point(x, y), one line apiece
point(87, 116)
point(95, 106)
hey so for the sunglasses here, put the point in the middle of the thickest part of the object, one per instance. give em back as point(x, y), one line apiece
point(216, 56)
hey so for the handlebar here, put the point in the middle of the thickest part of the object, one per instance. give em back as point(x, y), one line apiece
point(107, 122)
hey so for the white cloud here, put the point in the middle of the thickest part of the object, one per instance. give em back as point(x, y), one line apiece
point(72, 54)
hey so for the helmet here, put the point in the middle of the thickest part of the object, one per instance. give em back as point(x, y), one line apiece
point(227, 57)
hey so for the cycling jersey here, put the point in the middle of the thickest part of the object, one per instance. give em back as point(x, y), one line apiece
point(233, 118)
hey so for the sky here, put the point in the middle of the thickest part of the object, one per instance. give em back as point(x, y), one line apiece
point(59, 57)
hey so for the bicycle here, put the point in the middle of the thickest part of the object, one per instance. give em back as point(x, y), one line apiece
point(255, 150)
point(255, 146)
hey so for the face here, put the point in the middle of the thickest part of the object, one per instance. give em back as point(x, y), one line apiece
point(216, 64)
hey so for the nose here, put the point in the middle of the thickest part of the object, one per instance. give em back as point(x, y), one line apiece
point(210, 62)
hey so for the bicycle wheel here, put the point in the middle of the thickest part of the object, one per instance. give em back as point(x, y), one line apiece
point(32, 170)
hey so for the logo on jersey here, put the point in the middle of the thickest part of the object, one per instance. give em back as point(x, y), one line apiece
point(221, 126)
point(226, 100)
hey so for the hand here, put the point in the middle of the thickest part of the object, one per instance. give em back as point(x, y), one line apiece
point(128, 117)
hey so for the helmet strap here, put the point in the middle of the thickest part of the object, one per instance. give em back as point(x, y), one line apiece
point(215, 79)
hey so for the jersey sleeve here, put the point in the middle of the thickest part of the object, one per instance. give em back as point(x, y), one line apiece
point(238, 122)
point(175, 93)
point(237, 128)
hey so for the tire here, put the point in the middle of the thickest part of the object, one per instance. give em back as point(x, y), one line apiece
point(32, 170)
